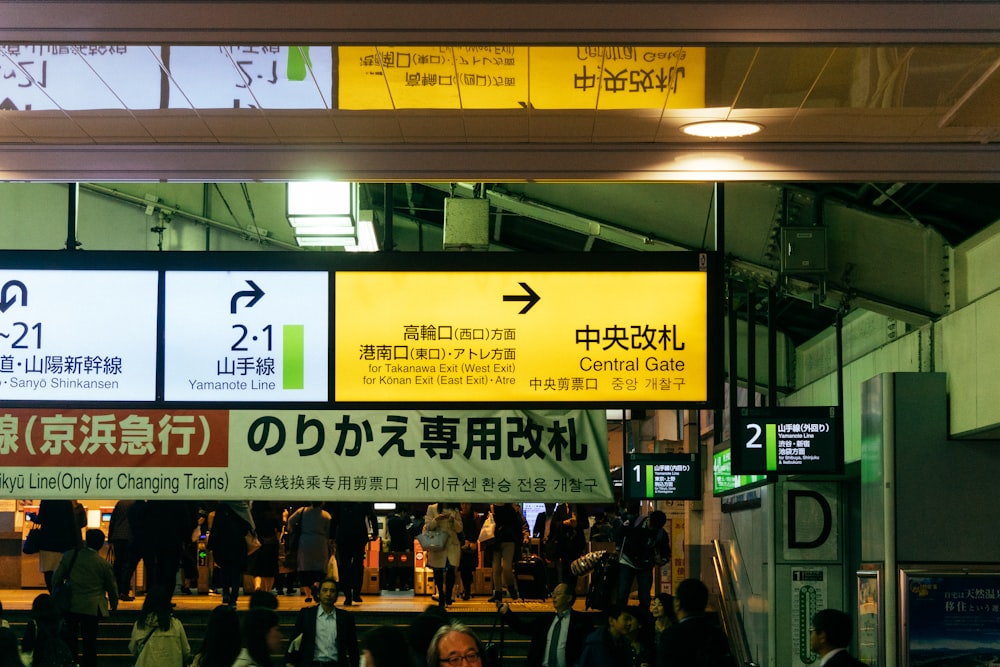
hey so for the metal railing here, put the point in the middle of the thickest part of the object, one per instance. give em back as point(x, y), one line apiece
point(730, 608)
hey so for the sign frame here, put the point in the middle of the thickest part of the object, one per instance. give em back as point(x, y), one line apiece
point(665, 458)
point(708, 262)
point(763, 417)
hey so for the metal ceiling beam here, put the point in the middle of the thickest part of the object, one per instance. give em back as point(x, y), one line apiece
point(173, 211)
point(496, 163)
point(821, 295)
point(817, 293)
point(486, 22)
point(588, 227)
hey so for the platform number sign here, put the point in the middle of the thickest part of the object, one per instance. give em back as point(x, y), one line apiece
point(787, 440)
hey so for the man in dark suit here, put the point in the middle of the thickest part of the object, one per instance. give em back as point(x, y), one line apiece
point(831, 633)
point(354, 525)
point(95, 594)
point(696, 639)
point(572, 628)
point(324, 636)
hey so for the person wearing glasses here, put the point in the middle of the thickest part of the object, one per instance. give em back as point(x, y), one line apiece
point(456, 645)
point(830, 635)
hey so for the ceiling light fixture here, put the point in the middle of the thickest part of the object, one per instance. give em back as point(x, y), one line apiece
point(721, 129)
point(323, 213)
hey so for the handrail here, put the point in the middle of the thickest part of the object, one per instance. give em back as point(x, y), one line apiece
point(729, 609)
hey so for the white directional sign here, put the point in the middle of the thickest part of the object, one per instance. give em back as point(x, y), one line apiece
point(246, 336)
point(77, 335)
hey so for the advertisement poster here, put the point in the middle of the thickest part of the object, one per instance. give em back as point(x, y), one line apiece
point(869, 618)
point(952, 619)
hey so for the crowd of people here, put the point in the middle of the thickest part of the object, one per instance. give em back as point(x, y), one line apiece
point(322, 636)
point(290, 547)
point(319, 549)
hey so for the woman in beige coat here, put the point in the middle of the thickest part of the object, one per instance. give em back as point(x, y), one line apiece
point(444, 517)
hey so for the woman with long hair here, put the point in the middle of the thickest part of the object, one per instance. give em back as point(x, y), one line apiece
point(261, 633)
point(221, 643)
point(158, 638)
point(662, 609)
point(446, 518)
point(43, 634)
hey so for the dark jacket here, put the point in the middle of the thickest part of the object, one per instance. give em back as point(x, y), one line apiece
point(354, 523)
point(226, 538)
point(696, 641)
point(511, 526)
point(59, 529)
point(642, 547)
point(844, 659)
point(348, 654)
point(119, 529)
point(602, 650)
point(537, 628)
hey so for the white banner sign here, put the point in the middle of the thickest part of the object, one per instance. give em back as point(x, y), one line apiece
point(396, 455)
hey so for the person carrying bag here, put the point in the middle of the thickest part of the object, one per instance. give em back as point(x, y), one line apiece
point(158, 638)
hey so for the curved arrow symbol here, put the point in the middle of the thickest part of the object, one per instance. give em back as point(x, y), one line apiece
point(6, 301)
point(530, 297)
point(255, 294)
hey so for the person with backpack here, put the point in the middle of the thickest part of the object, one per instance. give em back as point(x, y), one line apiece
point(696, 640)
point(644, 546)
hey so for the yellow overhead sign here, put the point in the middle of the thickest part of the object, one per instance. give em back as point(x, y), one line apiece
point(521, 336)
point(521, 77)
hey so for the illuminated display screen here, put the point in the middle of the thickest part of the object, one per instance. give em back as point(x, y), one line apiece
point(42, 77)
point(662, 477)
point(723, 479)
point(77, 335)
point(787, 441)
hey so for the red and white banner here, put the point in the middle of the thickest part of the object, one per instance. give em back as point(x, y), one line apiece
point(395, 455)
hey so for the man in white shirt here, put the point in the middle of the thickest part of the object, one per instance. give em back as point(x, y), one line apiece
point(324, 636)
point(556, 639)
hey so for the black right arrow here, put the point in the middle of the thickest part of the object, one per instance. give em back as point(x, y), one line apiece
point(530, 297)
point(7, 301)
point(255, 294)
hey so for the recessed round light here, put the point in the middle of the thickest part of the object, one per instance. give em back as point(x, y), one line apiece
point(721, 129)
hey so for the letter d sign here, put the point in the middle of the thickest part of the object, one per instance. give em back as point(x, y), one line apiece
point(811, 522)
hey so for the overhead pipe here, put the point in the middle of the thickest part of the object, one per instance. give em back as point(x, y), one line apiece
point(733, 352)
point(388, 193)
point(175, 212)
point(719, 195)
point(772, 348)
point(839, 328)
point(72, 216)
point(751, 346)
